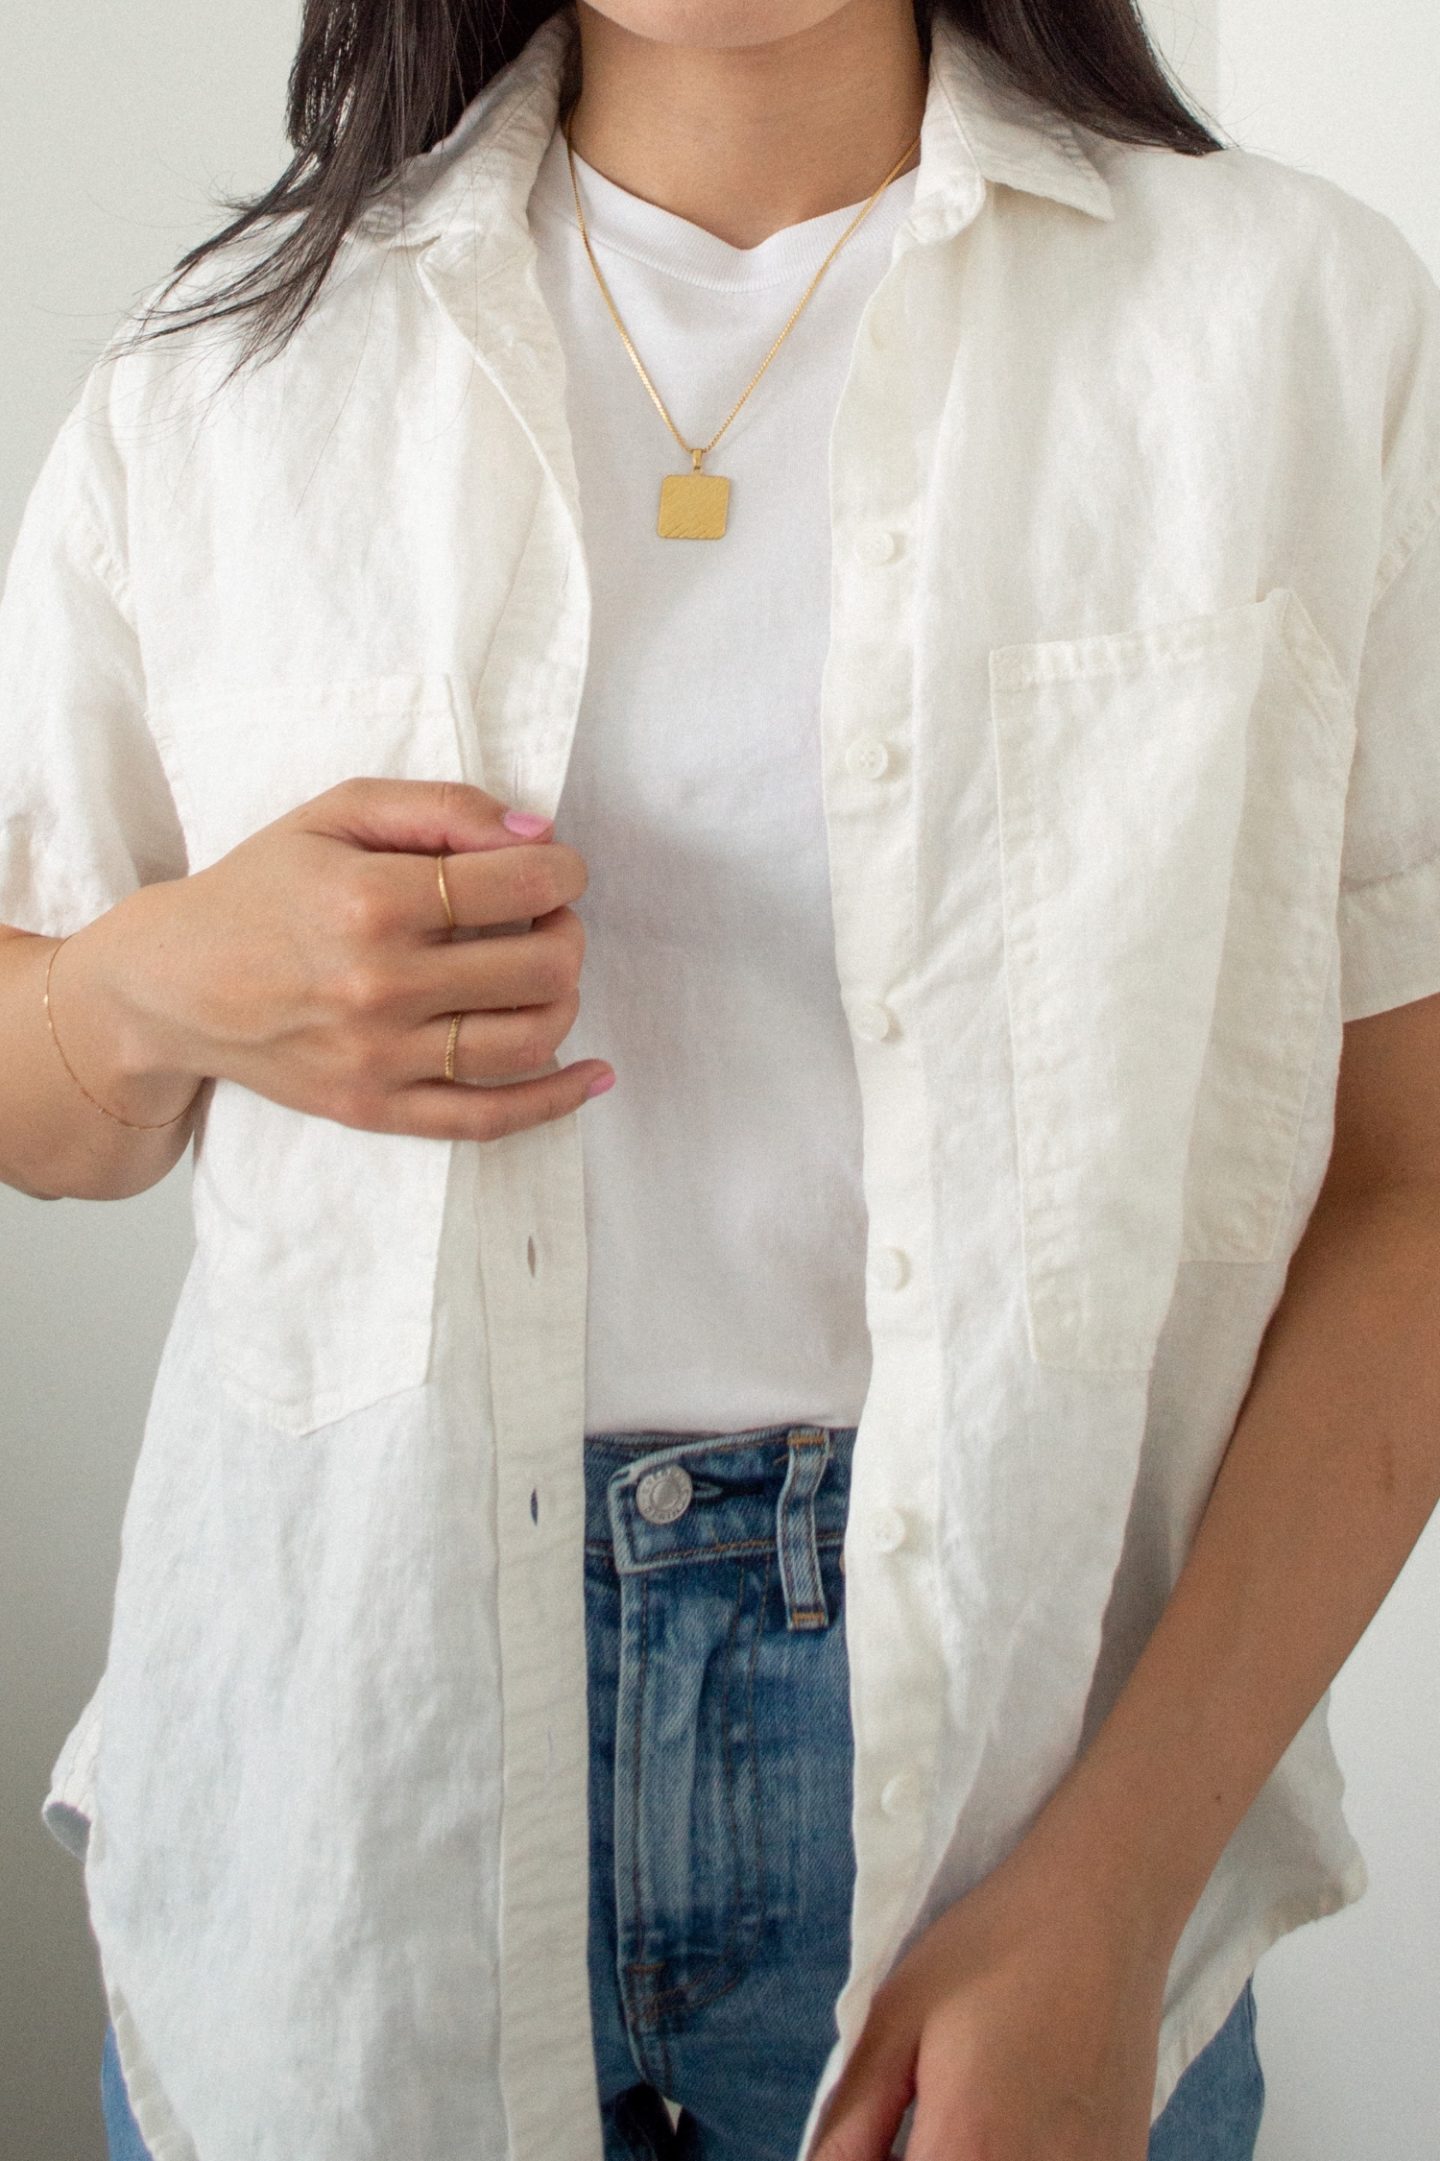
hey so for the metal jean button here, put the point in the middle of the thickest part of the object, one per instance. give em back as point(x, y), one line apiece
point(663, 1496)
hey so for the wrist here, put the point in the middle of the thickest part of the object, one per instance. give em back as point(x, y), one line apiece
point(1109, 1853)
point(109, 1023)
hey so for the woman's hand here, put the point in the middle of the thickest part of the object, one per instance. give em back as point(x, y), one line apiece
point(314, 964)
point(1025, 2023)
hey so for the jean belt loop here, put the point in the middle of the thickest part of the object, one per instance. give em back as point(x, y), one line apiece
point(795, 1529)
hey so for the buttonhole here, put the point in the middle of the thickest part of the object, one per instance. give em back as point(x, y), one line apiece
point(534, 1505)
point(530, 1253)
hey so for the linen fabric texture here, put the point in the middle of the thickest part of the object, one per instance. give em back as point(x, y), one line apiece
point(1134, 480)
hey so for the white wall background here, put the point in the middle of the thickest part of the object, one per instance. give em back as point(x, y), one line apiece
point(115, 127)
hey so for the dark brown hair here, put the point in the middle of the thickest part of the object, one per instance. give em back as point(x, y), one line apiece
point(374, 82)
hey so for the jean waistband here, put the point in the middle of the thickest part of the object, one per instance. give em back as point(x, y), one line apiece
point(655, 1499)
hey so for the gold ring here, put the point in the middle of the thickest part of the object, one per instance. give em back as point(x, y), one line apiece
point(451, 1041)
point(444, 890)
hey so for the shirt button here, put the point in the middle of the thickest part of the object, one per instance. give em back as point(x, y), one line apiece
point(871, 1022)
point(890, 1267)
point(663, 1496)
point(899, 1793)
point(876, 545)
point(868, 757)
point(887, 1530)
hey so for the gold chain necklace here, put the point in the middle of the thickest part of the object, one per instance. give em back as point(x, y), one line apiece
point(694, 505)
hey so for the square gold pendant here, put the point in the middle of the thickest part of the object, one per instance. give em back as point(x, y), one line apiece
point(693, 506)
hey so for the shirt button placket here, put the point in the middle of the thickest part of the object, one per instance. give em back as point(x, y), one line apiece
point(868, 758)
point(871, 1021)
point(887, 1530)
point(900, 1793)
point(868, 724)
point(889, 1267)
point(876, 544)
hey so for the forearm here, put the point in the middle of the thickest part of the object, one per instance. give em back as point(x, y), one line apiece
point(1331, 1474)
point(53, 1142)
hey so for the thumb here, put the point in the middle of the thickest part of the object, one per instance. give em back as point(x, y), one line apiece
point(865, 2110)
point(419, 817)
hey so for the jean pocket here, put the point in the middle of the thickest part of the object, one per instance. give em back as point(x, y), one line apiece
point(1171, 802)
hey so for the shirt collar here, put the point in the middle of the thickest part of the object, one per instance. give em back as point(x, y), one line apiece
point(474, 184)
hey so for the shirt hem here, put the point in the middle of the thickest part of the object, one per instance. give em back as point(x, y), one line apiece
point(163, 2134)
point(1198, 2026)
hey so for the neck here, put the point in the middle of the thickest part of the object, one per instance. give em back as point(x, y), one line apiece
point(746, 139)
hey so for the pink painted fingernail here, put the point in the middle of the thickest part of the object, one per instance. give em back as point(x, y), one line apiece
point(598, 1086)
point(525, 822)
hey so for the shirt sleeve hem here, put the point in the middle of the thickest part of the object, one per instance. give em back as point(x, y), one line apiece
point(1407, 543)
point(41, 895)
point(1390, 940)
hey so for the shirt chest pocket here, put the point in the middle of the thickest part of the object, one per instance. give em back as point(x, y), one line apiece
point(1171, 805)
point(318, 1242)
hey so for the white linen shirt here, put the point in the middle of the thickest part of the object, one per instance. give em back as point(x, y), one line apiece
point(1131, 769)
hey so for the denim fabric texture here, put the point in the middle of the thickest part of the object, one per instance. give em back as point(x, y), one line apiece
point(122, 2134)
point(720, 1793)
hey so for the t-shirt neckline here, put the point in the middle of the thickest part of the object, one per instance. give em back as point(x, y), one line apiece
point(628, 225)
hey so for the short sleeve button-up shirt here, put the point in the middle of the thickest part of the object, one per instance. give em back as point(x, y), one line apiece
point(1130, 730)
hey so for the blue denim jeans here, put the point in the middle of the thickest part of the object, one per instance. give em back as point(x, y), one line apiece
point(721, 1858)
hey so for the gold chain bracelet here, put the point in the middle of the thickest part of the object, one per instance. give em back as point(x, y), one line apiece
point(140, 1125)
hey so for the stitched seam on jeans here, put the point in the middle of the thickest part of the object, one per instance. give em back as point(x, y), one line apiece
point(637, 1906)
point(760, 1886)
point(726, 1757)
point(698, 1996)
point(681, 1993)
point(829, 1540)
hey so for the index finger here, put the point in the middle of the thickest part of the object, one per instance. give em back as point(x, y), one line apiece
point(509, 887)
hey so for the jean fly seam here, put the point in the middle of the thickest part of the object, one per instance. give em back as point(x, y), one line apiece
point(693, 1996)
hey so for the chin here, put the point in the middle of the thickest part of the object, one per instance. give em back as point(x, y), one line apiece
point(714, 22)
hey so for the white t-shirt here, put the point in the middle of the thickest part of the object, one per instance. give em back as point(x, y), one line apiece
point(724, 1210)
